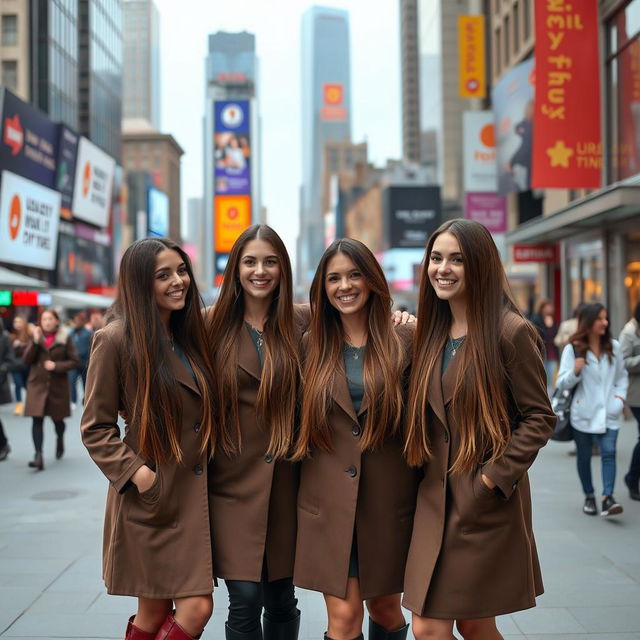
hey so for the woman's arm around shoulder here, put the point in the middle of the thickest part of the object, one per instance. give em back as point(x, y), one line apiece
point(534, 419)
point(99, 425)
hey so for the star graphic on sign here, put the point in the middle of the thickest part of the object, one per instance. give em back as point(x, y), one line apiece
point(560, 154)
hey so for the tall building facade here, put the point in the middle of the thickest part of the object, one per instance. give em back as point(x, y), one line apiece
point(232, 182)
point(410, 64)
point(141, 56)
point(326, 116)
point(100, 83)
point(15, 58)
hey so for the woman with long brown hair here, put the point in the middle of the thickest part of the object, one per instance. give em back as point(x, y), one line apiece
point(254, 333)
point(477, 414)
point(357, 494)
point(21, 335)
point(149, 363)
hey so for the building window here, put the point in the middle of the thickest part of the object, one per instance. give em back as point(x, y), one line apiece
point(498, 55)
point(526, 12)
point(507, 50)
point(10, 74)
point(9, 30)
point(516, 27)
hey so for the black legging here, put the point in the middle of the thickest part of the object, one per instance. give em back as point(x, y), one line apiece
point(38, 432)
point(3, 437)
point(247, 599)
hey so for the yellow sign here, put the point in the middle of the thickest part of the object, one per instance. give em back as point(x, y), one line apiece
point(232, 217)
point(471, 46)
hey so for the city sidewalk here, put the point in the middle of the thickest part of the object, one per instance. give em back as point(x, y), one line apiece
point(50, 540)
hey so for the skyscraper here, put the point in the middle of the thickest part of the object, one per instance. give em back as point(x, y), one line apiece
point(410, 80)
point(232, 190)
point(326, 116)
point(141, 69)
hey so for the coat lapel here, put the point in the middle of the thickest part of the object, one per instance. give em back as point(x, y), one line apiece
point(449, 377)
point(434, 393)
point(341, 395)
point(182, 374)
point(378, 383)
point(248, 356)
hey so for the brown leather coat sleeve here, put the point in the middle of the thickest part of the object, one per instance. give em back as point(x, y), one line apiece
point(99, 427)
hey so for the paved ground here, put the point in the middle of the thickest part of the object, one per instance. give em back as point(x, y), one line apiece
point(50, 537)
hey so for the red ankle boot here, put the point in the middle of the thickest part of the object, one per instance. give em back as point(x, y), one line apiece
point(171, 630)
point(135, 633)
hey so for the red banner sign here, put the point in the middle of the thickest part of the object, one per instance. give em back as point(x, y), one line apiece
point(535, 253)
point(567, 141)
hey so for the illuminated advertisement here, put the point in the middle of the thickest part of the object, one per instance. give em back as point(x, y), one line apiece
point(232, 148)
point(157, 213)
point(93, 184)
point(29, 141)
point(333, 103)
point(479, 152)
point(413, 213)
point(29, 217)
point(232, 217)
point(66, 169)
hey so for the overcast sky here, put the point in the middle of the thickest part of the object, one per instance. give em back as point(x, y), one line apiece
point(375, 77)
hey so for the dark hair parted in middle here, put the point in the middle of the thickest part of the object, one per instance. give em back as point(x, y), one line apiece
point(480, 403)
point(383, 356)
point(277, 399)
point(156, 409)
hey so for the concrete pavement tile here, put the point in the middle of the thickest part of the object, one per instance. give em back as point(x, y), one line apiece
point(587, 594)
point(608, 619)
point(507, 625)
point(105, 603)
point(74, 581)
point(66, 625)
point(38, 581)
point(64, 602)
point(584, 636)
point(49, 566)
point(547, 620)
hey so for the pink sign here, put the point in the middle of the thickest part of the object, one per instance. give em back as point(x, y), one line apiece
point(488, 209)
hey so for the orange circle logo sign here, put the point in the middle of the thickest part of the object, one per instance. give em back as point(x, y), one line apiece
point(86, 179)
point(488, 135)
point(232, 213)
point(15, 217)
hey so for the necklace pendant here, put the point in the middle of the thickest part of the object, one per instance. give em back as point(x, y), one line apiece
point(453, 352)
point(260, 342)
point(355, 355)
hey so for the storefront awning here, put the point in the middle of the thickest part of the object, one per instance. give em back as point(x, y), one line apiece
point(13, 280)
point(69, 299)
point(607, 206)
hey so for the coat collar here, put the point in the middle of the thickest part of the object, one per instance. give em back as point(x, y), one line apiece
point(342, 397)
point(181, 373)
point(62, 335)
point(247, 355)
point(441, 387)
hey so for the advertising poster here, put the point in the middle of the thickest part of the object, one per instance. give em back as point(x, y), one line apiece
point(232, 217)
point(333, 108)
point(471, 56)
point(480, 171)
point(29, 145)
point(157, 213)
point(488, 209)
point(93, 184)
point(567, 148)
point(66, 168)
point(512, 99)
point(232, 148)
point(412, 214)
point(29, 218)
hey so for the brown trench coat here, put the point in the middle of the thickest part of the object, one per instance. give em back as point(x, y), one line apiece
point(252, 499)
point(156, 544)
point(473, 554)
point(48, 391)
point(348, 492)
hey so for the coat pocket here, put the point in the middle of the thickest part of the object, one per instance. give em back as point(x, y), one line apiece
point(155, 507)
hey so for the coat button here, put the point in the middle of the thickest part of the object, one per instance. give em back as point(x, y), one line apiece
point(356, 431)
point(446, 437)
point(268, 458)
point(352, 471)
point(196, 427)
point(197, 469)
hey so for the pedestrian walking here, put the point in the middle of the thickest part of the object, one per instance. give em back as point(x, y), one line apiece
point(357, 494)
point(50, 356)
point(477, 414)
point(149, 363)
point(81, 337)
point(567, 328)
point(21, 336)
point(254, 335)
point(8, 362)
point(593, 365)
point(544, 321)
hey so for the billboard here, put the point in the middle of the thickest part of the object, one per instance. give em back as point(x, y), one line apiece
point(157, 213)
point(413, 213)
point(567, 148)
point(512, 99)
point(66, 167)
point(29, 141)
point(472, 81)
point(93, 184)
point(232, 217)
point(488, 209)
point(29, 218)
point(232, 148)
point(479, 152)
point(333, 103)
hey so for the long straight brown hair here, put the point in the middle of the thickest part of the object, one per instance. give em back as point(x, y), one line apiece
point(587, 316)
point(156, 407)
point(324, 356)
point(480, 401)
point(277, 396)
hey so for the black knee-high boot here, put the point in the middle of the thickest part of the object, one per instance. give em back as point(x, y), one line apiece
point(232, 634)
point(360, 637)
point(376, 632)
point(273, 630)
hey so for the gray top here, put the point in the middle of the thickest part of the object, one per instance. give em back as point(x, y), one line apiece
point(354, 369)
point(451, 347)
point(258, 341)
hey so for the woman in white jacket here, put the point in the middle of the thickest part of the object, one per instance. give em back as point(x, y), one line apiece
point(592, 363)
